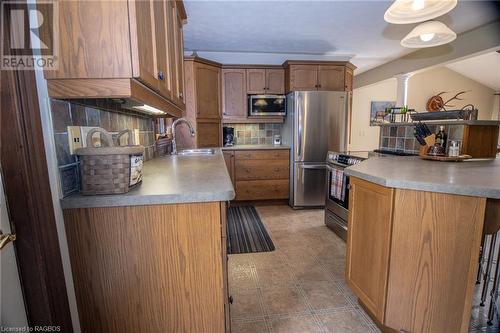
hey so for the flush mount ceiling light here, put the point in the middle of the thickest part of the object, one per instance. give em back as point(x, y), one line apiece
point(414, 11)
point(428, 34)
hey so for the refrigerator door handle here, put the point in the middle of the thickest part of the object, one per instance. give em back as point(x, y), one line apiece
point(313, 166)
point(299, 130)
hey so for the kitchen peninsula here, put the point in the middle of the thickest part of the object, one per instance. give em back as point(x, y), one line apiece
point(414, 238)
point(154, 259)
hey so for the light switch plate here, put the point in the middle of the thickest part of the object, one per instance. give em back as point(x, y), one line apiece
point(96, 139)
point(74, 138)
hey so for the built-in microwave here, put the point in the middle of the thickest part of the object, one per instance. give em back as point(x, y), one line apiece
point(266, 105)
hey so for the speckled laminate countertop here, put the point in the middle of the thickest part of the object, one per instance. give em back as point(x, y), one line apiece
point(169, 180)
point(479, 178)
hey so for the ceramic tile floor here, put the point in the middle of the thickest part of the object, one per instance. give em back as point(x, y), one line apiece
point(300, 287)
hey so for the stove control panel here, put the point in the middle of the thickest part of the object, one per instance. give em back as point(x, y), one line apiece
point(343, 159)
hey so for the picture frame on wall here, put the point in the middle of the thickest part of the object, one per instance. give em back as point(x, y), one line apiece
point(377, 112)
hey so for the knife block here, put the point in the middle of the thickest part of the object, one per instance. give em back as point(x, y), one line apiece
point(429, 142)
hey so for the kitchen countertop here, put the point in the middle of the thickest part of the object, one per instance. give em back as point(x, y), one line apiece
point(446, 122)
point(169, 180)
point(479, 178)
point(255, 147)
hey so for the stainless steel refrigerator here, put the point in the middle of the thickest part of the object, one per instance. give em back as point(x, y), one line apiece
point(316, 122)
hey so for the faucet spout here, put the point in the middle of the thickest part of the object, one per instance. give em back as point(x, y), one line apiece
point(174, 125)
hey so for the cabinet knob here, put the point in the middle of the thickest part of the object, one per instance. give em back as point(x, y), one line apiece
point(349, 187)
point(181, 95)
point(230, 299)
point(161, 76)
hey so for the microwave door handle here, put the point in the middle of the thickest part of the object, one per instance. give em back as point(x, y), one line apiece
point(313, 166)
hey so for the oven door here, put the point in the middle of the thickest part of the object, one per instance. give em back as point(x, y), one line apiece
point(337, 206)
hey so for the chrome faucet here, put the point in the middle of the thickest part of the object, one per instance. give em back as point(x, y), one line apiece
point(174, 124)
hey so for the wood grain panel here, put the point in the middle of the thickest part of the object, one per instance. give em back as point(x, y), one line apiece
point(178, 53)
point(261, 189)
point(262, 169)
point(148, 268)
point(480, 141)
point(97, 48)
point(331, 78)
point(275, 81)
point(368, 243)
point(234, 99)
point(207, 80)
point(275, 154)
point(208, 134)
point(434, 259)
point(349, 74)
point(492, 216)
point(256, 81)
point(163, 35)
point(229, 159)
point(303, 77)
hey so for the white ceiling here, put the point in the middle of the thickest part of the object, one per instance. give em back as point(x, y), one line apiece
point(484, 68)
point(270, 32)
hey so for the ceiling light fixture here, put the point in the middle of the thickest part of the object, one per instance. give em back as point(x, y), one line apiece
point(428, 34)
point(414, 11)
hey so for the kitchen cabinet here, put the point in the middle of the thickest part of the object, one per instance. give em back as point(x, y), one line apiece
point(261, 174)
point(412, 256)
point(130, 49)
point(234, 94)
point(158, 268)
point(265, 81)
point(203, 102)
point(320, 76)
point(229, 159)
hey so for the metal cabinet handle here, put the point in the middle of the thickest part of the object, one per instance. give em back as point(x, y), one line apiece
point(161, 76)
point(349, 187)
point(6, 239)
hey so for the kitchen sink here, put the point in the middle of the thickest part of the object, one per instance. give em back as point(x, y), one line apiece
point(196, 152)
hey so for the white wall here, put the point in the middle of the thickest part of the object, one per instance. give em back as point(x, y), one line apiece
point(426, 84)
point(364, 136)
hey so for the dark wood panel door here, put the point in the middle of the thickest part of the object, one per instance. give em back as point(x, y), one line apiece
point(368, 243)
point(303, 77)
point(163, 37)
point(275, 81)
point(234, 99)
point(331, 78)
point(146, 52)
point(207, 80)
point(256, 81)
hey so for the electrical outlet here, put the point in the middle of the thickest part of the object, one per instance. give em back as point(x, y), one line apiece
point(74, 138)
point(96, 138)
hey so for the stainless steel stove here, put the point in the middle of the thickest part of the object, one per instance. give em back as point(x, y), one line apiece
point(337, 190)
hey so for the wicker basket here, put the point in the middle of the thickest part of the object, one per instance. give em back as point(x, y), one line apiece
point(111, 168)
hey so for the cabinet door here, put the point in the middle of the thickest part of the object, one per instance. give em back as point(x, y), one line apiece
point(208, 134)
point(146, 52)
point(256, 81)
point(163, 37)
point(349, 73)
point(178, 54)
point(229, 159)
point(368, 243)
point(303, 77)
point(331, 78)
point(275, 81)
point(207, 80)
point(234, 96)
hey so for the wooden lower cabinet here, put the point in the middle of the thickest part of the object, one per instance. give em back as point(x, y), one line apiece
point(412, 256)
point(158, 268)
point(262, 189)
point(229, 159)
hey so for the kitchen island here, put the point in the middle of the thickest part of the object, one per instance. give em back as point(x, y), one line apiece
point(154, 259)
point(414, 237)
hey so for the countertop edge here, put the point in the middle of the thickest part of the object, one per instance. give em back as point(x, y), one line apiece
point(256, 147)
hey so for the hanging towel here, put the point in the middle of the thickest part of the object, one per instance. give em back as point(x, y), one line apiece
point(336, 184)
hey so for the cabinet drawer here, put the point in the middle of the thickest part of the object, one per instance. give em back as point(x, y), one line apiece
point(261, 189)
point(277, 154)
point(261, 169)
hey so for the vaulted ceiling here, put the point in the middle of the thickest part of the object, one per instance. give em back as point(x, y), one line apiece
point(270, 32)
point(484, 68)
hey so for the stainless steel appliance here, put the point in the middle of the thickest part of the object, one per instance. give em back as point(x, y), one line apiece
point(228, 136)
point(266, 105)
point(316, 121)
point(337, 191)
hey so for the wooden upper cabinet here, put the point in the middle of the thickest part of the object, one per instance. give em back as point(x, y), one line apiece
point(368, 243)
point(303, 77)
point(207, 79)
point(331, 78)
point(349, 75)
point(163, 36)
point(146, 70)
point(256, 81)
point(234, 98)
point(275, 81)
point(178, 53)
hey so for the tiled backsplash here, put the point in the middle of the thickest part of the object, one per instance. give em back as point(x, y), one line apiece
point(253, 134)
point(400, 138)
point(66, 114)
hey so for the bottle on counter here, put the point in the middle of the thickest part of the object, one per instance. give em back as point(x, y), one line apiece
point(441, 138)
